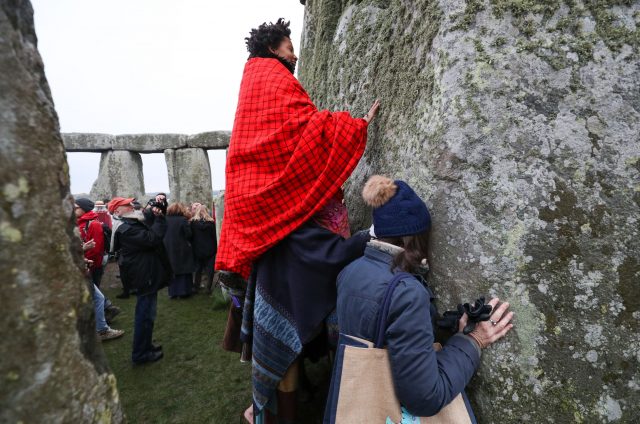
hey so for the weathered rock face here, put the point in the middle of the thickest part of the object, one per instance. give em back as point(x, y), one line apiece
point(120, 174)
point(149, 143)
point(121, 166)
point(218, 203)
point(519, 123)
point(52, 367)
point(92, 142)
point(189, 175)
point(144, 143)
point(210, 140)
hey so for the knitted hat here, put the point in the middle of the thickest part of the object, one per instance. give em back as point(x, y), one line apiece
point(85, 204)
point(397, 209)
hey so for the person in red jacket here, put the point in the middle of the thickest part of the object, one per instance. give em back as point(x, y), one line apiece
point(91, 229)
point(103, 214)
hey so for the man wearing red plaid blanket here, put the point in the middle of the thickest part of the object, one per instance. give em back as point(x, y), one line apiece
point(285, 167)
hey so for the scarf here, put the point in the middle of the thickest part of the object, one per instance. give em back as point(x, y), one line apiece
point(286, 160)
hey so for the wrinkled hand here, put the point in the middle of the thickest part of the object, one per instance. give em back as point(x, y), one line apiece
point(486, 332)
point(372, 112)
point(464, 319)
point(88, 245)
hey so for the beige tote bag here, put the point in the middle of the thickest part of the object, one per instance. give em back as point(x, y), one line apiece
point(367, 394)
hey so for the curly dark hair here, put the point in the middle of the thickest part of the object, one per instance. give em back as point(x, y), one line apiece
point(267, 36)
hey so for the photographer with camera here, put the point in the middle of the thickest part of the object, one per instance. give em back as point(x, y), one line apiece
point(160, 201)
point(144, 266)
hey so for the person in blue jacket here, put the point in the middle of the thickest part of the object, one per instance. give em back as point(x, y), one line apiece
point(425, 380)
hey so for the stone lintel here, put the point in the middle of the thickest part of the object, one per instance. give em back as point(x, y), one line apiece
point(149, 143)
point(87, 142)
point(144, 143)
point(210, 140)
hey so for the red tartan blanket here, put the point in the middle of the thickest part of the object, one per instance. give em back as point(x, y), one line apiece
point(286, 159)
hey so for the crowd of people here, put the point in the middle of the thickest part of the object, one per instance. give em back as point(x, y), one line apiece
point(155, 246)
point(302, 285)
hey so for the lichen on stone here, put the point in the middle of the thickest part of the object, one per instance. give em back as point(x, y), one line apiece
point(9, 233)
point(517, 121)
point(13, 191)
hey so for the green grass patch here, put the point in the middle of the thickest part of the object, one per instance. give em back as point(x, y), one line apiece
point(196, 381)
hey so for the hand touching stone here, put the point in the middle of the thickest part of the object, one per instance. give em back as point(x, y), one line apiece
point(372, 112)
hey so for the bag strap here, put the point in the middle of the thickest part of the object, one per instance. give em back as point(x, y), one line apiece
point(381, 326)
point(86, 229)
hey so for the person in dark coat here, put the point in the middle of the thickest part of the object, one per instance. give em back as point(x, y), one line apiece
point(177, 242)
point(425, 381)
point(204, 243)
point(145, 266)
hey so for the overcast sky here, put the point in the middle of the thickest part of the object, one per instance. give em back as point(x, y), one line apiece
point(140, 66)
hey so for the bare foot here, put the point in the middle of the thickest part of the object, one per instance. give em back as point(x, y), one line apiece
point(248, 414)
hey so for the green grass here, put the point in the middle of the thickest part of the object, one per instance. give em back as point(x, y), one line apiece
point(196, 381)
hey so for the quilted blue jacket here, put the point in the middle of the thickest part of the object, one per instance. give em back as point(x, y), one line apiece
point(425, 380)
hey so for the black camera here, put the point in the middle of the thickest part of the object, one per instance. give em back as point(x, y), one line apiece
point(162, 205)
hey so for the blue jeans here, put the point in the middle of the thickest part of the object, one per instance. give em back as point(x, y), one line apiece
point(96, 276)
point(98, 305)
point(146, 307)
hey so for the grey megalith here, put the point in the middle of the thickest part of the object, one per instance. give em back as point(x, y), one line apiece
point(519, 123)
point(121, 166)
point(218, 203)
point(52, 365)
point(120, 174)
point(144, 143)
point(189, 176)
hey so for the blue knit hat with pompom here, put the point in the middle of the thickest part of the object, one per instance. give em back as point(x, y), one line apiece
point(397, 209)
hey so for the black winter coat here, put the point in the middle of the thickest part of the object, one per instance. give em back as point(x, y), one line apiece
point(204, 240)
point(177, 242)
point(142, 258)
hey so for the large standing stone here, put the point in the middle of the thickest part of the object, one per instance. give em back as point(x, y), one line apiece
point(218, 204)
point(120, 175)
point(519, 122)
point(189, 175)
point(52, 367)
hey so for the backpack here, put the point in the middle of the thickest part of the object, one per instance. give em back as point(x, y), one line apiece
point(106, 233)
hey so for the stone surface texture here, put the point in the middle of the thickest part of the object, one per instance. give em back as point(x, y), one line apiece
point(144, 143)
point(120, 174)
point(149, 143)
point(52, 367)
point(218, 204)
point(189, 175)
point(91, 142)
point(210, 140)
point(519, 123)
point(121, 165)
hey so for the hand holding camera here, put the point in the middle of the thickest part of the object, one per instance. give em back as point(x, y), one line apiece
point(158, 207)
